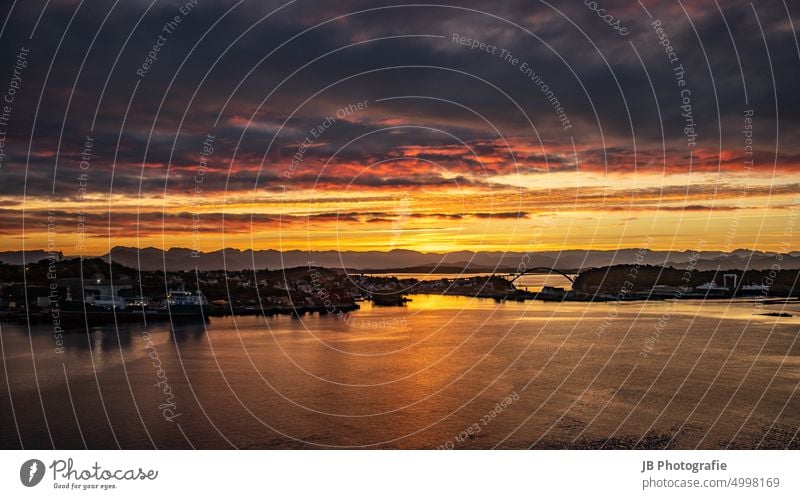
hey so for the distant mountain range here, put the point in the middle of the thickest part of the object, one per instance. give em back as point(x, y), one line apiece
point(413, 261)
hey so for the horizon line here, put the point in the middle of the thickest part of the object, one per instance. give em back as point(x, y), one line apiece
point(443, 252)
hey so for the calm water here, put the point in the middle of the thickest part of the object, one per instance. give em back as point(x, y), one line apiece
point(571, 374)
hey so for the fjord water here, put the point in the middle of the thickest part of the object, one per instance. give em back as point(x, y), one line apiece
point(518, 374)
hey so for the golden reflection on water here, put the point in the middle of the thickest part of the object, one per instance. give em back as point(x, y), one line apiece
point(699, 374)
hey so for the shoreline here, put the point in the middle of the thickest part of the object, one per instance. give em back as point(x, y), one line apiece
point(76, 320)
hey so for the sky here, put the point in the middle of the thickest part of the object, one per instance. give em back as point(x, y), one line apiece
point(353, 125)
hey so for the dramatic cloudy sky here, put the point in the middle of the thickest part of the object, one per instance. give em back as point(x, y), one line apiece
point(452, 147)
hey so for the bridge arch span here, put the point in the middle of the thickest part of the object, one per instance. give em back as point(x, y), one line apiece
point(539, 269)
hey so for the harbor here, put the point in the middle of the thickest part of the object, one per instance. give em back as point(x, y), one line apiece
point(60, 291)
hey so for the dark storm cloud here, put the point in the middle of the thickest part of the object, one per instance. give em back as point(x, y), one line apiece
point(212, 66)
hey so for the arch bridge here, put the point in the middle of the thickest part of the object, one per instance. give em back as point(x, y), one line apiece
point(532, 270)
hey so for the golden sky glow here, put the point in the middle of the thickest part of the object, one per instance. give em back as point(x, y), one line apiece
point(517, 213)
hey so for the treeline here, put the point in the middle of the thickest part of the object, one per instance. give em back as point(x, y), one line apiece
point(642, 278)
point(43, 271)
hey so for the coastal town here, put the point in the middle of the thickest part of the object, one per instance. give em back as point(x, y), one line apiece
point(95, 292)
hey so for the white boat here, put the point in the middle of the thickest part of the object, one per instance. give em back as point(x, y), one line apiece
point(181, 297)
